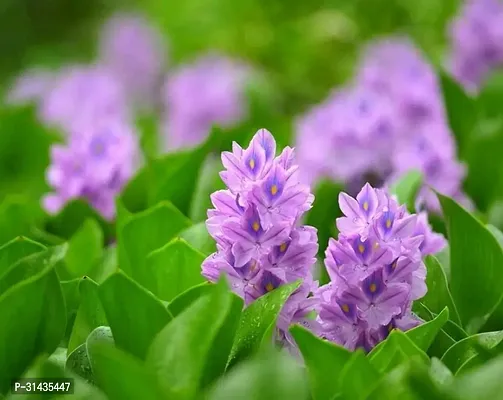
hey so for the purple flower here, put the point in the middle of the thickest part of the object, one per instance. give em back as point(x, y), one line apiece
point(82, 94)
point(94, 165)
point(31, 86)
point(135, 54)
point(255, 222)
point(208, 92)
point(375, 268)
point(476, 36)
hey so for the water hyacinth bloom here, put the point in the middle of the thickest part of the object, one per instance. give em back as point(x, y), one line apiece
point(476, 36)
point(135, 54)
point(31, 86)
point(94, 165)
point(255, 222)
point(376, 270)
point(209, 91)
point(389, 121)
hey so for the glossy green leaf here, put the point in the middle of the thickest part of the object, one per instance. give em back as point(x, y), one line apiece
point(173, 268)
point(70, 290)
point(31, 265)
point(17, 249)
point(438, 295)
point(182, 351)
point(185, 299)
point(268, 377)
point(256, 321)
point(397, 348)
point(89, 316)
point(17, 218)
point(358, 377)
point(461, 111)
point(472, 244)
point(495, 321)
point(198, 237)
point(465, 349)
point(407, 187)
point(122, 376)
point(424, 334)
point(145, 232)
point(85, 249)
point(320, 356)
point(134, 314)
point(34, 312)
point(106, 266)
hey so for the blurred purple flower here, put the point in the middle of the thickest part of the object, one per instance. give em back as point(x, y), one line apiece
point(135, 54)
point(476, 36)
point(375, 278)
point(255, 223)
point(197, 96)
point(94, 165)
point(31, 86)
point(80, 94)
point(390, 121)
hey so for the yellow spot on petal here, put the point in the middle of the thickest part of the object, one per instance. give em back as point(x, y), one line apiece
point(282, 247)
point(269, 287)
point(393, 264)
point(274, 189)
point(251, 163)
point(345, 308)
point(361, 248)
point(256, 226)
point(388, 223)
point(376, 245)
point(366, 205)
point(253, 266)
point(372, 288)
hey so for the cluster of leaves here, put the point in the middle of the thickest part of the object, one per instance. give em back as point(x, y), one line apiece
point(136, 320)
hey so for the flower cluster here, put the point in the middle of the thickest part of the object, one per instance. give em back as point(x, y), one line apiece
point(210, 91)
point(477, 42)
point(94, 164)
point(255, 223)
point(376, 270)
point(391, 120)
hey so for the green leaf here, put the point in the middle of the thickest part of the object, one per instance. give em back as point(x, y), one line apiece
point(358, 377)
point(31, 265)
point(145, 232)
point(81, 361)
point(71, 295)
point(134, 314)
point(17, 218)
point(174, 268)
point(184, 350)
point(482, 383)
point(438, 295)
point(424, 334)
point(397, 348)
point(85, 249)
point(90, 314)
point(465, 349)
point(472, 244)
point(17, 249)
point(107, 265)
point(70, 219)
point(320, 356)
point(185, 299)
point(198, 237)
point(271, 376)
point(461, 111)
point(122, 376)
point(407, 187)
point(257, 320)
point(34, 312)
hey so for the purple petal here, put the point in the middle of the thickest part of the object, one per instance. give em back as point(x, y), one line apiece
point(405, 227)
point(349, 206)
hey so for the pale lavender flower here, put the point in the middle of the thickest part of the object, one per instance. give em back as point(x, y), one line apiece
point(80, 94)
point(376, 270)
point(135, 54)
point(93, 165)
point(29, 87)
point(476, 36)
point(211, 91)
point(255, 222)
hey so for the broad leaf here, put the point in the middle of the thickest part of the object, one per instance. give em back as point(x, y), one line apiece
point(17, 249)
point(407, 187)
point(320, 356)
point(198, 237)
point(257, 321)
point(471, 244)
point(424, 334)
point(174, 268)
point(185, 299)
point(134, 314)
point(358, 377)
